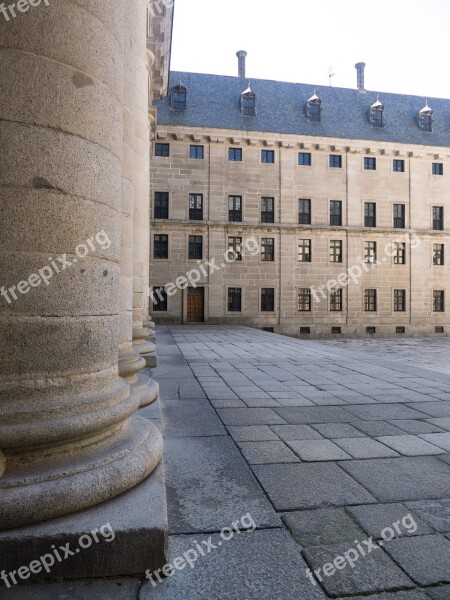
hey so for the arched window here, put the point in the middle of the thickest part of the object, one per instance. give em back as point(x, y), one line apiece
point(248, 103)
point(377, 114)
point(314, 108)
point(426, 118)
point(178, 97)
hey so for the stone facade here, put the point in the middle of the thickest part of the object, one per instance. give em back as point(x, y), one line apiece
point(216, 178)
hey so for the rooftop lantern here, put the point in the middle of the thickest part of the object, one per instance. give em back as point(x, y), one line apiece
point(314, 108)
point(377, 114)
point(248, 102)
point(426, 118)
point(178, 97)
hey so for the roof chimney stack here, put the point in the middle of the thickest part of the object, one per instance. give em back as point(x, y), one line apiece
point(360, 71)
point(241, 56)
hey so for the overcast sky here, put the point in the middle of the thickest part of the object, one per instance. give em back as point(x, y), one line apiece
point(405, 43)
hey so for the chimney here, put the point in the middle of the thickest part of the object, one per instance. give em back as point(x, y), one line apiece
point(241, 56)
point(360, 71)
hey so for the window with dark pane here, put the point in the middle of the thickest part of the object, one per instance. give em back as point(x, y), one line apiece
point(161, 207)
point(195, 207)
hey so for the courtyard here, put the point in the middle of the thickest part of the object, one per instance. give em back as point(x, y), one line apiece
point(296, 470)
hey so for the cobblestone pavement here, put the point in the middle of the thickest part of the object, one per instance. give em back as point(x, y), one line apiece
point(329, 448)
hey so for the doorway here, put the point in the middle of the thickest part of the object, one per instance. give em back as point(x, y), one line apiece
point(196, 305)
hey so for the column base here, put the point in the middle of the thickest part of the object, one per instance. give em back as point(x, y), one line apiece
point(146, 390)
point(138, 519)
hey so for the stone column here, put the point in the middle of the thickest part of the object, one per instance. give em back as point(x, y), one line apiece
point(69, 438)
point(130, 360)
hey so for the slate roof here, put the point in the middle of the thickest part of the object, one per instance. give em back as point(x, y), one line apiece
point(213, 102)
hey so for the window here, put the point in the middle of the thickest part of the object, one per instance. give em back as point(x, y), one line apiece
point(304, 159)
point(234, 299)
point(159, 299)
point(235, 154)
point(235, 248)
point(370, 214)
point(438, 300)
point(370, 252)
point(438, 254)
point(399, 253)
point(399, 300)
point(248, 103)
point(195, 207)
point(195, 251)
point(370, 300)
point(267, 300)
point(267, 249)
point(370, 163)
point(336, 300)
point(400, 330)
point(438, 218)
point(268, 329)
point(314, 109)
point(335, 213)
point(371, 330)
point(304, 300)
point(336, 251)
point(304, 251)
point(304, 212)
point(336, 330)
point(178, 97)
point(377, 114)
point(398, 166)
point(162, 150)
point(267, 156)
point(438, 169)
point(305, 330)
point(161, 208)
point(439, 329)
point(161, 246)
point(196, 152)
point(235, 208)
point(267, 210)
point(426, 123)
point(335, 161)
point(399, 216)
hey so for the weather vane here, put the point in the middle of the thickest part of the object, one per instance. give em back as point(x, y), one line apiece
point(331, 74)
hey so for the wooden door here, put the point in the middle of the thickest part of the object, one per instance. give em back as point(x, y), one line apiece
point(196, 305)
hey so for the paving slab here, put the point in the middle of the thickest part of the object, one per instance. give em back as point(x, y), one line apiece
point(263, 453)
point(409, 595)
point(434, 409)
point(442, 440)
point(365, 448)
point(400, 479)
point(252, 433)
point(251, 566)
point(318, 450)
point(188, 418)
point(209, 485)
point(304, 486)
point(111, 589)
point(439, 593)
point(295, 432)
point(250, 416)
point(323, 526)
point(441, 422)
point(435, 512)
point(377, 428)
point(374, 572)
point(384, 412)
point(416, 427)
point(374, 519)
point(426, 559)
point(410, 445)
point(314, 414)
point(338, 430)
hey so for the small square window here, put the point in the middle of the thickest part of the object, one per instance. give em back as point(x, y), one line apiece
point(400, 330)
point(235, 154)
point(438, 168)
point(371, 330)
point(370, 163)
point(336, 330)
point(439, 329)
point(162, 150)
point(305, 330)
point(268, 329)
point(398, 166)
point(196, 152)
point(304, 159)
point(335, 161)
point(159, 299)
point(268, 156)
point(267, 300)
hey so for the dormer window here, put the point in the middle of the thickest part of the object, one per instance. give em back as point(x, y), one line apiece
point(314, 109)
point(178, 97)
point(426, 118)
point(248, 103)
point(377, 114)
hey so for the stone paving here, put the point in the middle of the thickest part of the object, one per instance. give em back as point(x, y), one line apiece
point(322, 445)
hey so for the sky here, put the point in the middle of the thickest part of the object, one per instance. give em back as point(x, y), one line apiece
point(405, 43)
